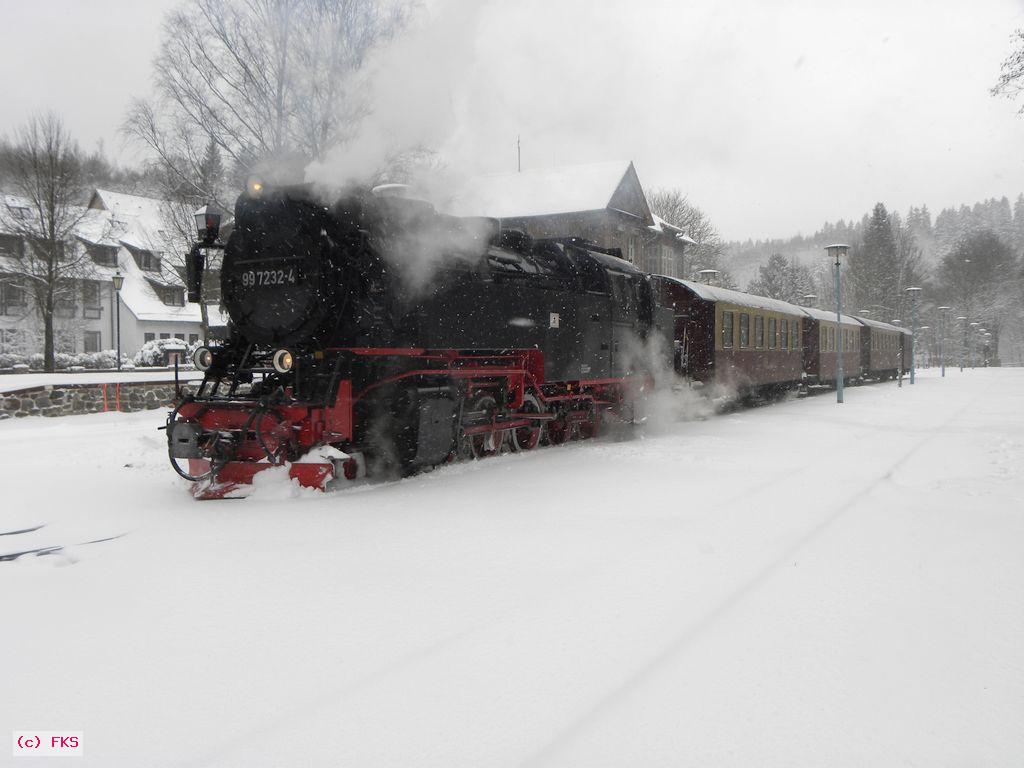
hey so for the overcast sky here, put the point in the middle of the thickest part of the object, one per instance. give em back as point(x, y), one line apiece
point(773, 116)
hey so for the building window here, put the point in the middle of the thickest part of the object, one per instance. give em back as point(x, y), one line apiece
point(727, 331)
point(785, 334)
point(193, 338)
point(147, 260)
point(149, 337)
point(91, 299)
point(11, 245)
point(92, 341)
point(104, 255)
point(758, 331)
point(772, 333)
point(12, 296)
point(796, 334)
point(744, 330)
point(171, 295)
point(64, 305)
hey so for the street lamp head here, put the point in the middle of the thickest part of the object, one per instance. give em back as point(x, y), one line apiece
point(836, 250)
point(913, 290)
point(944, 309)
point(208, 224)
point(117, 280)
point(864, 311)
point(809, 296)
point(961, 318)
point(975, 325)
point(708, 274)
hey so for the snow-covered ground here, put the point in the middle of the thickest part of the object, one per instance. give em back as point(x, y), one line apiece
point(803, 584)
point(10, 382)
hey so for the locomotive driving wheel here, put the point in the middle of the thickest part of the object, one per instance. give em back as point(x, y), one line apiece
point(527, 438)
point(483, 444)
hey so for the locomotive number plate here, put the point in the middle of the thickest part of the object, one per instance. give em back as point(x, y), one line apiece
point(259, 277)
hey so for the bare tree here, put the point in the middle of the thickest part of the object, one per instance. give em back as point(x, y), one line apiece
point(1011, 76)
point(674, 207)
point(264, 80)
point(43, 173)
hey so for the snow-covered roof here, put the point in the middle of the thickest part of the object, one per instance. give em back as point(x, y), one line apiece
point(148, 210)
point(663, 227)
point(821, 314)
point(880, 324)
point(542, 192)
point(128, 222)
point(739, 298)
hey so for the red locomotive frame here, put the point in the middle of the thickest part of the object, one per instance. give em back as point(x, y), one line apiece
point(565, 408)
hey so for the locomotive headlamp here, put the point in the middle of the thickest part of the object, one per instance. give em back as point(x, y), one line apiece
point(203, 358)
point(208, 224)
point(254, 186)
point(283, 361)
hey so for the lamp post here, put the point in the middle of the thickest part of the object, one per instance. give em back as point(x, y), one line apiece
point(926, 351)
point(970, 354)
point(913, 291)
point(118, 281)
point(837, 251)
point(810, 299)
point(942, 338)
point(963, 346)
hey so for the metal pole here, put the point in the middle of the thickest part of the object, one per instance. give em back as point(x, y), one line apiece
point(117, 299)
point(942, 343)
point(839, 332)
point(913, 335)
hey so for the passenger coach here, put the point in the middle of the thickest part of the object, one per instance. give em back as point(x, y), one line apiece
point(881, 349)
point(821, 340)
point(743, 341)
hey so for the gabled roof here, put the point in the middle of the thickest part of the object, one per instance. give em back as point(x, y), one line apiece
point(544, 192)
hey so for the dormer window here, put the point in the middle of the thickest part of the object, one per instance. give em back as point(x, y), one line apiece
point(148, 261)
point(171, 295)
point(104, 255)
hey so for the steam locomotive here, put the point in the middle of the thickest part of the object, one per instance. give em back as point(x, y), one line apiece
point(371, 334)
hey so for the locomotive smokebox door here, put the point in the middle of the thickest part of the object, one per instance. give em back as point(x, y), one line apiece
point(183, 440)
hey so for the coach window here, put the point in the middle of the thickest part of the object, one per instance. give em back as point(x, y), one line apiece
point(758, 331)
point(784, 335)
point(796, 334)
point(772, 333)
point(744, 330)
point(727, 330)
point(831, 339)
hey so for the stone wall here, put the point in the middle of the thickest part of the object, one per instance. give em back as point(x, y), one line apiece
point(69, 399)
